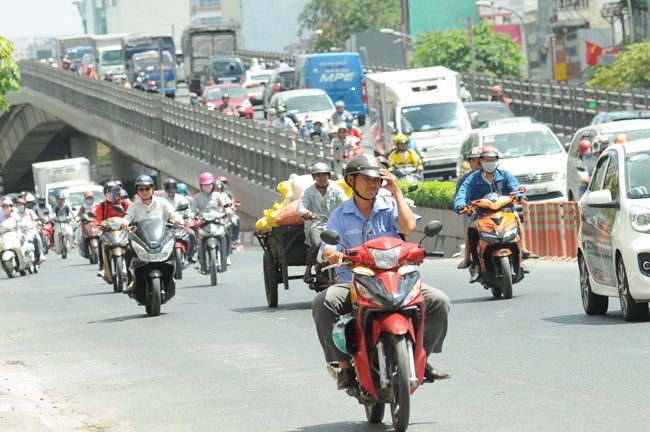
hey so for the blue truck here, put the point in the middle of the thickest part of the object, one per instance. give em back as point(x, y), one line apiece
point(142, 63)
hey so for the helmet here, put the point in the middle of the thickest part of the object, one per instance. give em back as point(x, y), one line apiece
point(407, 130)
point(170, 185)
point(342, 129)
point(124, 194)
point(584, 147)
point(496, 89)
point(349, 119)
point(206, 178)
point(320, 168)
point(223, 179)
point(383, 161)
point(281, 109)
point(21, 200)
point(225, 96)
point(621, 138)
point(489, 151)
point(143, 180)
point(89, 194)
point(599, 143)
point(110, 186)
point(119, 183)
point(400, 139)
point(60, 195)
point(363, 164)
point(41, 201)
point(30, 198)
point(339, 103)
point(474, 152)
point(181, 188)
point(7, 201)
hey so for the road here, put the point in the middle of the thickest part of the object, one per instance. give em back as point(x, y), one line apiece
point(76, 356)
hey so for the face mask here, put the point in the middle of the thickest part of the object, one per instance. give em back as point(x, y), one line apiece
point(206, 188)
point(89, 201)
point(281, 116)
point(309, 124)
point(490, 167)
point(21, 209)
point(348, 125)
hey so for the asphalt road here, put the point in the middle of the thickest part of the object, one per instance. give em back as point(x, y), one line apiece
point(76, 356)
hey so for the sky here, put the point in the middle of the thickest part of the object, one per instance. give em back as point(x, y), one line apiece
point(30, 18)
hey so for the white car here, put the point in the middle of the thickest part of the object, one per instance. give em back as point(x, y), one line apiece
point(613, 241)
point(302, 102)
point(530, 151)
point(635, 129)
point(74, 195)
point(255, 83)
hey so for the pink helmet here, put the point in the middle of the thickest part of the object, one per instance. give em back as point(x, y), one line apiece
point(584, 147)
point(206, 178)
point(496, 89)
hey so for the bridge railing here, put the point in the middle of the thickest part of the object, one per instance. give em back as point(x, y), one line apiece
point(247, 149)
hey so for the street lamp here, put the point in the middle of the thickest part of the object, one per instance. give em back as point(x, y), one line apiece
point(406, 38)
point(490, 4)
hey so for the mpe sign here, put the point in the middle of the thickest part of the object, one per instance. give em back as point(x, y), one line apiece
point(337, 76)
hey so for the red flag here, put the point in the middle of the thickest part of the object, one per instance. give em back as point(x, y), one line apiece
point(593, 52)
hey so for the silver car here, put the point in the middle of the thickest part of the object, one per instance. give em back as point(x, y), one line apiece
point(302, 102)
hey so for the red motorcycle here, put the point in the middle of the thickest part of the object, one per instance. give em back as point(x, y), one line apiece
point(181, 245)
point(45, 230)
point(384, 334)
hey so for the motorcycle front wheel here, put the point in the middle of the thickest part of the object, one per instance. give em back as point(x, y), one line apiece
point(178, 274)
point(94, 255)
point(10, 268)
point(153, 302)
point(212, 262)
point(506, 277)
point(118, 276)
point(64, 246)
point(398, 373)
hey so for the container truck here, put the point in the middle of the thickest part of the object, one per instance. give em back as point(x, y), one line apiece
point(53, 176)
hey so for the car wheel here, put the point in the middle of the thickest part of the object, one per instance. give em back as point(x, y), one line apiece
point(632, 311)
point(593, 304)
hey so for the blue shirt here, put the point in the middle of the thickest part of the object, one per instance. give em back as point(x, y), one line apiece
point(476, 187)
point(354, 230)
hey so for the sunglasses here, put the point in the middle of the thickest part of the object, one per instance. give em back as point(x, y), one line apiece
point(144, 189)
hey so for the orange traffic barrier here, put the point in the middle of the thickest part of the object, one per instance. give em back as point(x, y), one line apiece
point(571, 213)
point(551, 229)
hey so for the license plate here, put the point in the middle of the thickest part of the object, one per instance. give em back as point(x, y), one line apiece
point(535, 191)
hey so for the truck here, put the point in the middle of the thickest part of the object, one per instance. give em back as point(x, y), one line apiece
point(74, 47)
point(54, 176)
point(107, 55)
point(199, 43)
point(141, 66)
point(427, 100)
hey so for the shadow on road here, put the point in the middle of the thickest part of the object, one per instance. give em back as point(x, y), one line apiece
point(615, 318)
point(478, 300)
point(352, 426)
point(92, 294)
point(123, 318)
point(293, 306)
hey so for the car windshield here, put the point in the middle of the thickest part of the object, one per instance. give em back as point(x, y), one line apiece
point(285, 79)
point(75, 54)
point(225, 67)
point(308, 103)
point(77, 198)
point(232, 92)
point(489, 112)
point(150, 61)
point(112, 57)
point(520, 144)
point(637, 166)
point(438, 116)
point(261, 77)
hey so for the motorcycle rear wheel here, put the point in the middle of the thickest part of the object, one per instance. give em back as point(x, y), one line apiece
point(398, 370)
point(178, 274)
point(153, 302)
point(375, 413)
point(506, 277)
point(212, 262)
point(9, 268)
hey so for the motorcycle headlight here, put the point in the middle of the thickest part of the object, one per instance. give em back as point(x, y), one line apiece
point(386, 258)
point(640, 219)
point(209, 215)
point(372, 289)
point(409, 286)
point(144, 255)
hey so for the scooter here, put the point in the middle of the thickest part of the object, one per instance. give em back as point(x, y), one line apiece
point(407, 172)
point(153, 264)
point(385, 332)
point(62, 233)
point(45, 231)
point(16, 253)
point(499, 245)
point(181, 245)
point(213, 242)
point(114, 241)
point(89, 244)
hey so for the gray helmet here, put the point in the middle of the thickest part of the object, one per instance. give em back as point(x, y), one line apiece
point(363, 164)
point(319, 168)
point(474, 152)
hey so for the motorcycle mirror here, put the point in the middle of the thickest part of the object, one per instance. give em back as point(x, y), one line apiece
point(91, 214)
point(413, 187)
point(330, 237)
point(118, 208)
point(182, 207)
point(433, 228)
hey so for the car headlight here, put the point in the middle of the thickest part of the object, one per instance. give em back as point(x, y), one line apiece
point(640, 219)
point(386, 258)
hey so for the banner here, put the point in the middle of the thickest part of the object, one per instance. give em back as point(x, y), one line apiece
point(593, 52)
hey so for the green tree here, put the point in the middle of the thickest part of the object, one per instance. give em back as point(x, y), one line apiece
point(9, 72)
point(334, 21)
point(496, 53)
point(630, 70)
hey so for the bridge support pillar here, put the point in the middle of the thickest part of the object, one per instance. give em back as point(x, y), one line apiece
point(85, 146)
point(122, 167)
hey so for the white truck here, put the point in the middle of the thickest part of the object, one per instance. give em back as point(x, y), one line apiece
point(428, 101)
point(51, 177)
point(107, 55)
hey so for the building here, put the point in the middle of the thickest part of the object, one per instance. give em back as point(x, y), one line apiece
point(212, 12)
point(270, 25)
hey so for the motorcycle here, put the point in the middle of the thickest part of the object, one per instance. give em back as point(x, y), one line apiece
point(45, 231)
point(62, 234)
point(213, 240)
point(499, 245)
point(181, 245)
point(114, 241)
point(407, 172)
point(16, 252)
point(89, 244)
point(384, 334)
point(325, 276)
point(153, 264)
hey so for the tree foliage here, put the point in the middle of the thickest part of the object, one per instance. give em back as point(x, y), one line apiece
point(334, 21)
point(496, 53)
point(630, 70)
point(9, 72)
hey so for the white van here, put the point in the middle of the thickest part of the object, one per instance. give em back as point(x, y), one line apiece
point(528, 150)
